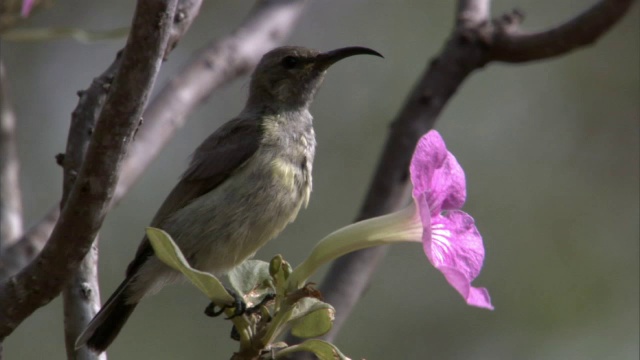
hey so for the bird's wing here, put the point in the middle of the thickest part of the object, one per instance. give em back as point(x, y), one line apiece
point(212, 163)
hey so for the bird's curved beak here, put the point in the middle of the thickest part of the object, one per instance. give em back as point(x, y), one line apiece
point(326, 59)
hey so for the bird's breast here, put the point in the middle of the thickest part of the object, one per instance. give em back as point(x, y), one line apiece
point(289, 144)
point(228, 224)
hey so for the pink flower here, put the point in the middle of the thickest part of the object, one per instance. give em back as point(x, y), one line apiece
point(450, 238)
point(27, 6)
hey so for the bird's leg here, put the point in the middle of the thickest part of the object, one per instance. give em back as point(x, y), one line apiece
point(235, 335)
point(239, 306)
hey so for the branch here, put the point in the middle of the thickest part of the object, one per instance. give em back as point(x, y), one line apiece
point(469, 48)
point(88, 202)
point(29, 246)
point(267, 26)
point(81, 296)
point(81, 302)
point(186, 12)
point(511, 45)
point(10, 195)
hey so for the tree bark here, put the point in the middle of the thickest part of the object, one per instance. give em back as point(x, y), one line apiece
point(82, 215)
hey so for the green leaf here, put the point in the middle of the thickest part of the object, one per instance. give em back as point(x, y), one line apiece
point(311, 317)
point(169, 253)
point(322, 349)
point(251, 279)
point(275, 265)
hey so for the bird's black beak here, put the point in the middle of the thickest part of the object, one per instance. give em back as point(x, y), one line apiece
point(324, 60)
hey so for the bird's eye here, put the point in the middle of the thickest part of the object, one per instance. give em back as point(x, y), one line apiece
point(289, 62)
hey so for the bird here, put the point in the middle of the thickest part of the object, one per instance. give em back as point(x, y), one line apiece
point(243, 185)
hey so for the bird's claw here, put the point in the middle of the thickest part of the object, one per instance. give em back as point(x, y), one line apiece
point(235, 335)
point(239, 307)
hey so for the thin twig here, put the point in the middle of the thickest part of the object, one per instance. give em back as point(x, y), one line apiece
point(10, 194)
point(81, 296)
point(88, 202)
point(471, 46)
point(267, 26)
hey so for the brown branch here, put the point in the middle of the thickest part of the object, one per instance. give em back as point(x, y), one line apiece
point(511, 45)
point(81, 296)
point(10, 194)
point(469, 48)
point(267, 26)
point(82, 216)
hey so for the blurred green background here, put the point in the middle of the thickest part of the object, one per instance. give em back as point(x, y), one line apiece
point(550, 149)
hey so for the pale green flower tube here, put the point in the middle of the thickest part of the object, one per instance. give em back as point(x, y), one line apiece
point(401, 226)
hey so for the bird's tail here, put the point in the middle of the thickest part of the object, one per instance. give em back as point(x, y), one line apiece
point(105, 326)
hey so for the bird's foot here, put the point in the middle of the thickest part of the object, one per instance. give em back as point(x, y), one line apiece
point(239, 306)
point(235, 335)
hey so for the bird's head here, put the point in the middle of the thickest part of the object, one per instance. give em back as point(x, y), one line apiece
point(289, 76)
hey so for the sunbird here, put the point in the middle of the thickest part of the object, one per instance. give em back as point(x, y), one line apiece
point(244, 184)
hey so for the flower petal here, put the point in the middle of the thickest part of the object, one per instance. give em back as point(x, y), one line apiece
point(425, 215)
point(478, 297)
point(27, 6)
point(455, 248)
point(430, 154)
point(437, 173)
point(448, 186)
